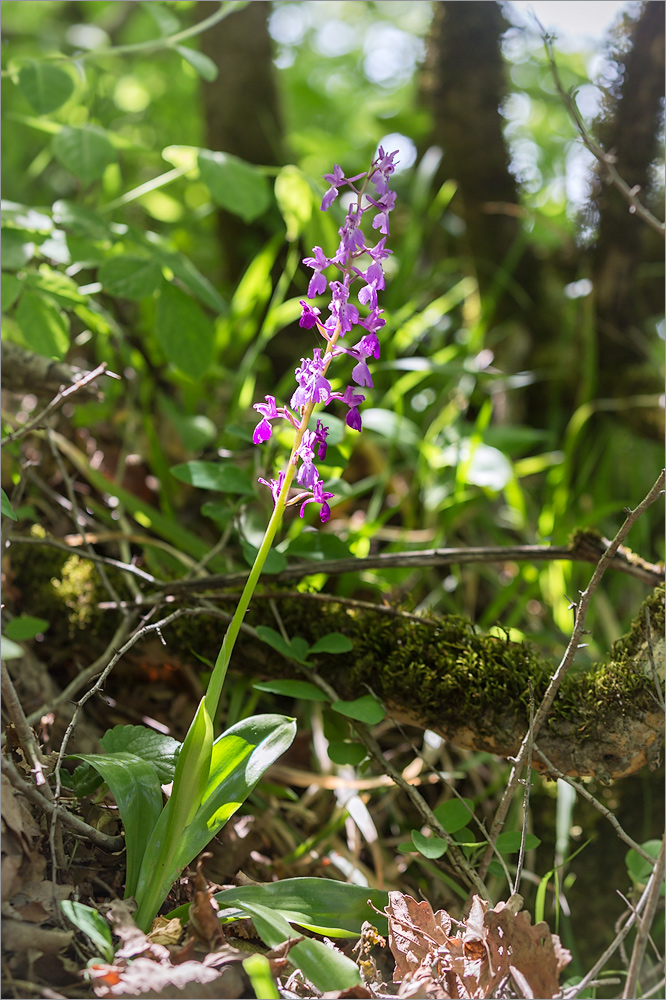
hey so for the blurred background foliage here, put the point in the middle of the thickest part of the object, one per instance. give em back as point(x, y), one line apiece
point(163, 171)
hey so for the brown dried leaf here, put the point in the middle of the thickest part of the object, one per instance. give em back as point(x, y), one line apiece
point(535, 956)
point(415, 934)
point(145, 976)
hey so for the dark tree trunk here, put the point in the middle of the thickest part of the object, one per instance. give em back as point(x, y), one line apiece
point(627, 257)
point(242, 113)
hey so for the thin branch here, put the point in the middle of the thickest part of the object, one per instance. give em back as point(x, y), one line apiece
point(567, 660)
point(527, 782)
point(103, 840)
point(607, 160)
point(623, 561)
point(584, 794)
point(26, 737)
point(88, 554)
point(643, 929)
point(59, 398)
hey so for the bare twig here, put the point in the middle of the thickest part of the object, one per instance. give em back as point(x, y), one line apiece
point(655, 879)
point(25, 735)
point(103, 840)
point(566, 662)
point(527, 783)
point(87, 554)
point(607, 160)
point(59, 398)
point(584, 794)
point(644, 924)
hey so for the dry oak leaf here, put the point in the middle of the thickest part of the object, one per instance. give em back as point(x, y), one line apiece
point(473, 964)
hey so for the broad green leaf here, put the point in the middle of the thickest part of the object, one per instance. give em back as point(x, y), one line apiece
point(295, 200)
point(366, 709)
point(326, 968)
point(292, 689)
point(17, 248)
point(11, 289)
point(239, 758)
point(204, 66)
point(509, 842)
point(20, 216)
point(25, 627)
point(321, 905)
point(81, 220)
point(220, 476)
point(6, 508)
point(56, 284)
point(92, 923)
point(184, 332)
point(429, 847)
point(130, 277)
point(391, 425)
point(234, 184)
point(275, 561)
point(183, 157)
point(45, 86)
point(191, 277)
point(219, 511)
point(44, 326)
point(136, 788)
point(195, 430)
point(345, 752)
point(639, 869)
point(165, 19)
point(334, 642)
point(316, 545)
point(258, 970)
point(85, 150)
point(10, 650)
point(278, 642)
point(155, 748)
point(455, 814)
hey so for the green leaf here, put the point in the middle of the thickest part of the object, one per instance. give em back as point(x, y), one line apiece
point(45, 86)
point(56, 285)
point(292, 689)
point(25, 217)
point(429, 847)
point(220, 476)
point(326, 968)
point(639, 869)
point(274, 639)
point(92, 924)
point(25, 627)
point(187, 273)
point(321, 905)
point(6, 507)
point(344, 752)
point(44, 326)
point(258, 970)
point(204, 66)
point(275, 561)
point(136, 788)
point(509, 842)
point(17, 249)
point(366, 709)
point(185, 334)
point(155, 748)
point(295, 200)
point(239, 758)
point(81, 220)
point(195, 430)
point(10, 650)
point(166, 21)
point(334, 642)
point(234, 184)
point(85, 150)
point(454, 814)
point(317, 545)
point(130, 277)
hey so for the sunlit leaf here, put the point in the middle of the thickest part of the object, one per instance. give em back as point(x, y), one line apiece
point(130, 277)
point(91, 923)
point(45, 86)
point(85, 150)
point(221, 476)
point(365, 709)
point(44, 326)
point(235, 185)
point(429, 847)
point(184, 332)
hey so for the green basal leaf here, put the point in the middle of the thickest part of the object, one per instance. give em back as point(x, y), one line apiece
point(366, 709)
point(92, 924)
point(326, 968)
point(156, 748)
point(136, 788)
point(321, 905)
point(274, 639)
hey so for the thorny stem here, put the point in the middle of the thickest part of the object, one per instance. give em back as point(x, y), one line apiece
point(565, 664)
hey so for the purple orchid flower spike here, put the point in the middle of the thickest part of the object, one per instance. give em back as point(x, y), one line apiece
point(313, 385)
